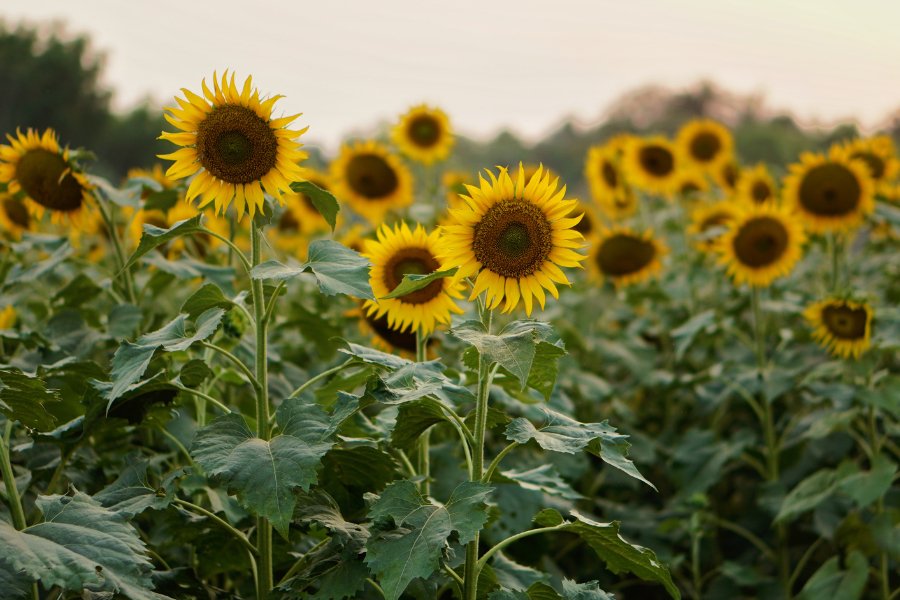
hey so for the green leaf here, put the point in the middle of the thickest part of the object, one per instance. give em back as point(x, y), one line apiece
point(545, 368)
point(543, 591)
point(207, 297)
point(865, 487)
point(374, 357)
point(414, 418)
point(514, 576)
point(413, 282)
point(320, 508)
point(132, 494)
point(264, 474)
point(20, 273)
point(156, 236)
point(561, 433)
point(831, 582)
point(78, 291)
point(685, 333)
point(194, 372)
point(22, 399)
point(323, 200)
point(129, 196)
point(543, 479)
point(123, 320)
point(80, 545)
point(413, 548)
point(338, 270)
point(808, 494)
point(13, 585)
point(886, 397)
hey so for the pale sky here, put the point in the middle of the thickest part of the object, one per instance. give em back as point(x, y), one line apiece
point(523, 65)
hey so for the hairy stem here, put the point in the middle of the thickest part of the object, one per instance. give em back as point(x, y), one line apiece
point(15, 502)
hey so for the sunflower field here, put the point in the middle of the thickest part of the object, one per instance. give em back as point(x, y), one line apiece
point(248, 373)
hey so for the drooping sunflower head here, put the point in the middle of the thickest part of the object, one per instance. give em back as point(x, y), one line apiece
point(877, 152)
point(14, 216)
point(764, 242)
point(626, 257)
point(652, 164)
point(830, 193)
point(513, 236)
point(44, 173)
point(232, 146)
point(710, 221)
point(756, 186)
point(705, 143)
point(400, 251)
point(424, 134)
point(371, 179)
point(841, 326)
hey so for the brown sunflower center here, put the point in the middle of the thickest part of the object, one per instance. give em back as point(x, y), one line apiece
point(40, 171)
point(403, 340)
point(760, 192)
point(715, 220)
point(873, 161)
point(413, 261)
point(760, 242)
point(830, 190)
point(623, 254)
point(705, 146)
point(656, 160)
point(689, 187)
point(845, 322)
point(370, 176)
point(585, 225)
point(513, 238)
point(16, 212)
point(235, 145)
point(288, 221)
point(730, 175)
point(424, 131)
point(610, 176)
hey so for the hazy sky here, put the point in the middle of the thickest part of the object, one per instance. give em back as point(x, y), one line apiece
point(521, 64)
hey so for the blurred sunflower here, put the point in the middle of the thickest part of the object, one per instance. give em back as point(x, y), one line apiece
point(142, 217)
point(454, 183)
point(619, 142)
point(37, 166)
point(233, 146)
point(652, 164)
point(829, 193)
point(371, 179)
point(763, 243)
point(14, 217)
point(626, 257)
point(843, 327)
point(707, 218)
point(705, 143)
point(621, 206)
point(601, 169)
point(727, 175)
point(7, 317)
point(588, 219)
point(201, 244)
point(155, 174)
point(513, 236)
point(383, 336)
point(691, 183)
point(878, 154)
point(400, 251)
point(756, 186)
point(424, 135)
point(355, 237)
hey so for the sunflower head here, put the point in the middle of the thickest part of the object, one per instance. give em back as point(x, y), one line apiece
point(155, 174)
point(830, 193)
point(355, 237)
point(454, 184)
point(843, 327)
point(707, 219)
point(691, 183)
point(513, 236)
point(626, 257)
point(705, 143)
point(14, 216)
point(603, 174)
point(762, 243)
point(232, 146)
point(652, 164)
point(371, 179)
point(877, 152)
point(424, 134)
point(727, 175)
point(44, 173)
point(756, 186)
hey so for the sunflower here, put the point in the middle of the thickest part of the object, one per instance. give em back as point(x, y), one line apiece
point(37, 166)
point(424, 135)
point(652, 164)
point(619, 142)
point(706, 217)
point(756, 186)
point(727, 175)
point(587, 223)
point(155, 173)
point(142, 217)
point(371, 179)
point(830, 193)
point(8, 317)
point(454, 183)
point(528, 170)
point(690, 183)
point(355, 237)
point(513, 236)
point(620, 206)
point(14, 217)
point(601, 169)
point(400, 251)
point(843, 327)
point(706, 143)
point(878, 154)
point(384, 337)
point(626, 257)
point(762, 243)
point(233, 146)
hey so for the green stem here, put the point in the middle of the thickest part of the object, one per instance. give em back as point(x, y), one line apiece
point(206, 397)
point(263, 527)
point(511, 539)
point(424, 451)
point(486, 478)
point(254, 379)
point(15, 502)
point(295, 568)
point(58, 471)
point(746, 534)
point(128, 283)
point(218, 521)
point(317, 378)
point(758, 334)
point(232, 247)
point(834, 248)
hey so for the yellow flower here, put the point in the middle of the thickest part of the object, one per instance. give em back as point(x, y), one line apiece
point(401, 251)
point(424, 134)
point(843, 327)
point(155, 173)
point(604, 176)
point(705, 143)
point(232, 146)
point(831, 193)
point(454, 183)
point(7, 317)
point(727, 175)
point(690, 183)
point(513, 237)
point(756, 186)
point(652, 164)
point(626, 257)
point(37, 166)
point(708, 216)
point(878, 154)
point(764, 242)
point(372, 180)
point(14, 217)
point(355, 237)
point(154, 217)
point(383, 336)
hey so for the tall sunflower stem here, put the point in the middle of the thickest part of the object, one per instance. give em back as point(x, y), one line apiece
point(264, 580)
point(424, 455)
point(125, 273)
point(9, 479)
point(481, 410)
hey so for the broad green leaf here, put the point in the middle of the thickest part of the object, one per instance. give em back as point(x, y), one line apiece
point(543, 591)
point(207, 297)
point(123, 320)
point(78, 291)
point(808, 494)
point(129, 196)
point(132, 494)
point(135, 401)
point(323, 200)
point(154, 237)
point(413, 282)
point(22, 399)
point(414, 418)
point(25, 272)
point(413, 548)
point(543, 479)
point(545, 368)
point(886, 397)
point(374, 357)
point(685, 333)
point(263, 474)
point(560, 433)
point(80, 545)
point(514, 576)
point(338, 270)
point(194, 372)
point(320, 508)
point(13, 585)
point(865, 487)
point(831, 582)
point(416, 380)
